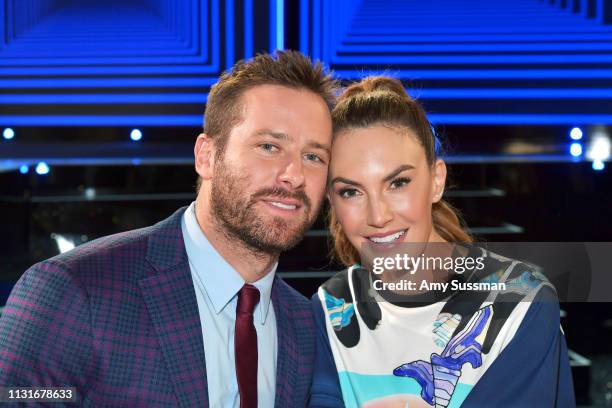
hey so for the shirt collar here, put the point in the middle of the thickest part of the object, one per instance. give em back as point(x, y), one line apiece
point(265, 292)
point(220, 280)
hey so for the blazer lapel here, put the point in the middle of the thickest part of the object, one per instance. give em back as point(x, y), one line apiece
point(170, 298)
point(287, 357)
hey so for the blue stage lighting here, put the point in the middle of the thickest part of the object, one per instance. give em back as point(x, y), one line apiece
point(576, 133)
point(42, 168)
point(136, 135)
point(598, 165)
point(280, 27)
point(8, 133)
point(23, 169)
point(575, 149)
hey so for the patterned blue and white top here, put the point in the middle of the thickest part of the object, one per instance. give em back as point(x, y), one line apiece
point(497, 348)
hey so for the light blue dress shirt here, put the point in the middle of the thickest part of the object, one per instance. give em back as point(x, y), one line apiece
point(216, 286)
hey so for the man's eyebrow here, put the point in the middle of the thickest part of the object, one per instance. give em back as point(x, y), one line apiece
point(285, 136)
point(276, 135)
point(345, 181)
point(397, 171)
point(317, 145)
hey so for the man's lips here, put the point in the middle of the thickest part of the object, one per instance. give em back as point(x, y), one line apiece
point(286, 204)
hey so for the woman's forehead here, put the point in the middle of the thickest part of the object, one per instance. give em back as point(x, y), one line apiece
point(380, 145)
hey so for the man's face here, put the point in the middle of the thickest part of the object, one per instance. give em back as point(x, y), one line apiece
point(269, 182)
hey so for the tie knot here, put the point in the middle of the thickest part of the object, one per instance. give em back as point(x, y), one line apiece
point(247, 299)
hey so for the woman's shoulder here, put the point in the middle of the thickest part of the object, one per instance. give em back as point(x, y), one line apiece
point(335, 293)
point(507, 292)
point(338, 285)
point(520, 280)
point(350, 285)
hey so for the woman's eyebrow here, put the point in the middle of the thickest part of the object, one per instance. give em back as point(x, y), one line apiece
point(397, 171)
point(344, 180)
point(391, 175)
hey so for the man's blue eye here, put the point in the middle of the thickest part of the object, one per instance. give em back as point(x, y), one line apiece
point(313, 157)
point(267, 146)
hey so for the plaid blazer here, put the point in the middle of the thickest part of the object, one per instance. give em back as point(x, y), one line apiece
point(117, 318)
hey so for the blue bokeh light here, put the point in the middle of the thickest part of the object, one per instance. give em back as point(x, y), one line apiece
point(8, 133)
point(598, 165)
point(575, 149)
point(576, 133)
point(42, 168)
point(135, 135)
point(24, 169)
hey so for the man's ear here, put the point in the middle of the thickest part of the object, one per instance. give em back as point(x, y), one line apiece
point(204, 153)
point(438, 180)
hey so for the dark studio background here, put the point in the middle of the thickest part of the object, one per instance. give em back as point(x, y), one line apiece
point(504, 82)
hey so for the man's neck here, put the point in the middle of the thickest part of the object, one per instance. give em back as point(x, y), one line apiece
point(251, 265)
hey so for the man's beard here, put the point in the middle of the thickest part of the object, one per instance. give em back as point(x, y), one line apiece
point(238, 219)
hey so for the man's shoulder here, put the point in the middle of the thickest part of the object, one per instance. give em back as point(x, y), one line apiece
point(295, 308)
point(105, 252)
point(122, 255)
point(288, 294)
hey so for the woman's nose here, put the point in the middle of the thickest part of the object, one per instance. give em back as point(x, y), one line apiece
point(379, 213)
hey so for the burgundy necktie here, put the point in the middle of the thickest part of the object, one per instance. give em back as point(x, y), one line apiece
point(245, 346)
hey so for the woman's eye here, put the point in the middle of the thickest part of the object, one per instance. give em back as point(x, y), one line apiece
point(400, 182)
point(347, 193)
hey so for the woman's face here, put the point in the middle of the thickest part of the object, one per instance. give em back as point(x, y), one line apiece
point(382, 188)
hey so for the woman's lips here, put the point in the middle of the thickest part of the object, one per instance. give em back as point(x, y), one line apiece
point(387, 237)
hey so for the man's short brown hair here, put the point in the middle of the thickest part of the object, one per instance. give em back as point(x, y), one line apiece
point(285, 68)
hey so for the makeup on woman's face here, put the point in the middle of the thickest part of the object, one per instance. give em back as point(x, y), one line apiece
point(382, 188)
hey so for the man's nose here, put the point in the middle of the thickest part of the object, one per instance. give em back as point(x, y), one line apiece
point(292, 175)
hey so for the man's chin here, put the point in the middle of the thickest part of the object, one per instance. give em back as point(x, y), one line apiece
point(280, 239)
point(285, 226)
point(286, 240)
point(272, 247)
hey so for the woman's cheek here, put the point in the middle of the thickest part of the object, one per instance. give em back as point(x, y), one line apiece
point(411, 207)
point(404, 208)
point(351, 218)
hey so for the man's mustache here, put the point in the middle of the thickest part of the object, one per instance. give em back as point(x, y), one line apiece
point(280, 192)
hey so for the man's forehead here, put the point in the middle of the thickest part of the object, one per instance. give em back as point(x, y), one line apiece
point(276, 111)
point(311, 142)
point(273, 92)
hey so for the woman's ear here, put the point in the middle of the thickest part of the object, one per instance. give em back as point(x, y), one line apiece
point(204, 156)
point(438, 180)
